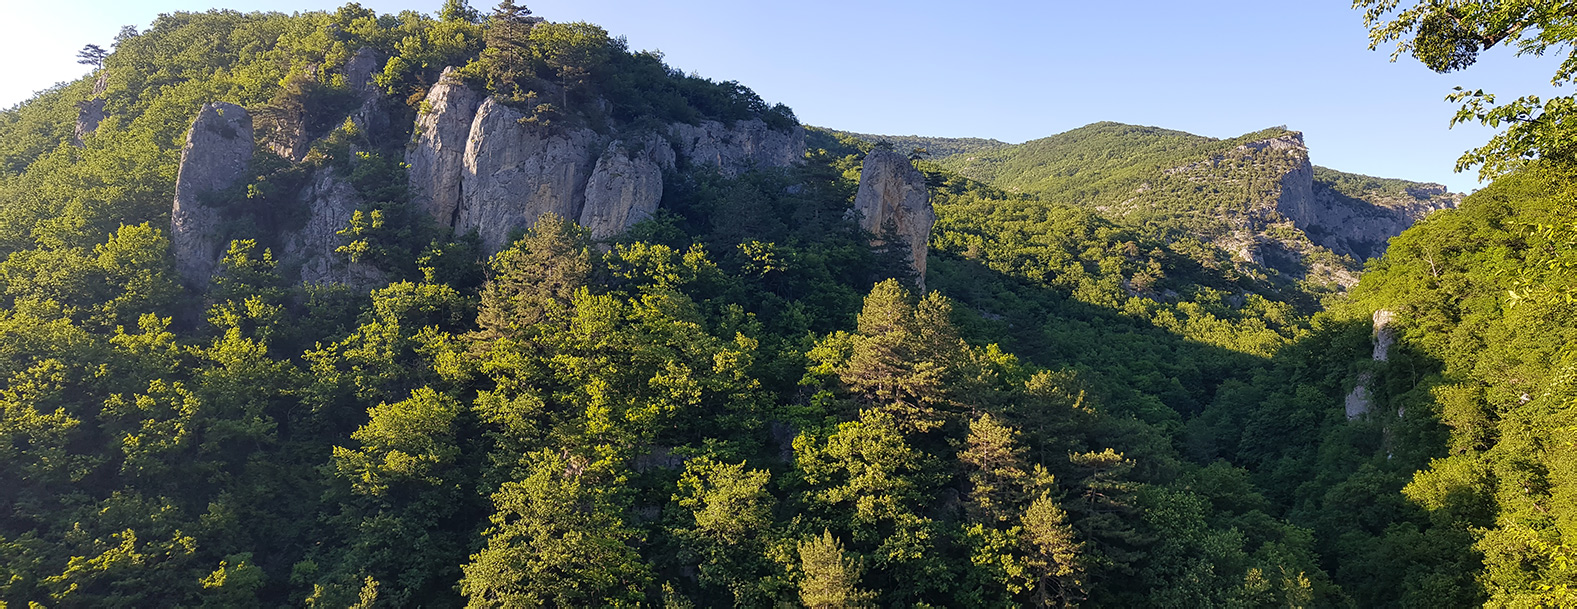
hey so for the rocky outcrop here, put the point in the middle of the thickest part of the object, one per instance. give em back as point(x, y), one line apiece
point(1355, 226)
point(515, 173)
point(311, 249)
point(1362, 227)
point(625, 186)
point(1359, 401)
point(217, 155)
point(369, 115)
point(893, 202)
point(436, 156)
point(735, 149)
point(91, 112)
point(475, 165)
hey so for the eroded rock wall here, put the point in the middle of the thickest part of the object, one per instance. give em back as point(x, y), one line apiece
point(735, 149)
point(436, 156)
point(625, 186)
point(217, 155)
point(476, 165)
point(515, 173)
point(311, 249)
point(893, 197)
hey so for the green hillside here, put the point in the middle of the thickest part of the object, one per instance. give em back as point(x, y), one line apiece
point(1113, 393)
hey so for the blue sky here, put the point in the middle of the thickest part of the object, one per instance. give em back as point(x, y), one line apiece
point(1013, 71)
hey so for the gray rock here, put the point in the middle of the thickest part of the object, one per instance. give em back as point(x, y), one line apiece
point(311, 249)
point(625, 186)
point(217, 155)
point(738, 148)
point(91, 112)
point(515, 173)
point(1346, 225)
point(1359, 401)
point(892, 190)
point(436, 155)
point(1384, 335)
point(369, 116)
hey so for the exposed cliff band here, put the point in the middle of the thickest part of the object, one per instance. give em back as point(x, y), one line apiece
point(1344, 224)
point(216, 156)
point(893, 202)
point(476, 165)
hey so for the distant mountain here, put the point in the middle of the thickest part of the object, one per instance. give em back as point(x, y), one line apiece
point(1256, 195)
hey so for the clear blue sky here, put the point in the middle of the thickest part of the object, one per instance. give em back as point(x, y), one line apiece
point(1013, 71)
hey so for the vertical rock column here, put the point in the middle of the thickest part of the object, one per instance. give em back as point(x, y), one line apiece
point(515, 173)
point(893, 191)
point(91, 112)
point(1359, 401)
point(437, 153)
point(625, 186)
point(217, 154)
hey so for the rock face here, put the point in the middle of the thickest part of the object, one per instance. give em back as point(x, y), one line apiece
point(369, 116)
point(217, 155)
point(475, 166)
point(1359, 401)
point(311, 248)
point(1358, 227)
point(91, 112)
point(893, 196)
point(436, 155)
point(625, 186)
point(736, 149)
point(514, 174)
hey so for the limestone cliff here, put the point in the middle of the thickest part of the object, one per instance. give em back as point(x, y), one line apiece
point(1356, 222)
point(437, 149)
point(310, 249)
point(513, 173)
point(625, 186)
point(436, 155)
point(737, 148)
point(893, 200)
point(91, 112)
point(369, 115)
point(476, 165)
point(216, 156)
point(1360, 401)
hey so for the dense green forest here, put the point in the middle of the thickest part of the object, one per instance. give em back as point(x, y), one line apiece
point(741, 402)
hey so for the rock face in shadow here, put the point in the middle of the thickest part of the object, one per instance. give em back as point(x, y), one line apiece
point(369, 115)
point(625, 186)
point(515, 173)
point(311, 249)
point(738, 148)
point(1355, 226)
point(893, 202)
point(1359, 402)
point(436, 155)
point(91, 112)
point(217, 155)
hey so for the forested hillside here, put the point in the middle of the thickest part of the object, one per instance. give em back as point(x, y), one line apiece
point(1255, 194)
point(514, 385)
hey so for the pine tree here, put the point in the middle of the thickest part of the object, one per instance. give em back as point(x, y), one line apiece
point(535, 278)
point(829, 577)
